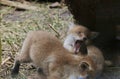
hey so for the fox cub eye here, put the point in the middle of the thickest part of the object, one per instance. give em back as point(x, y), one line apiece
point(78, 32)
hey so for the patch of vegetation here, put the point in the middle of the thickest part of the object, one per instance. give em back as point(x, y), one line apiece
point(0, 50)
point(14, 25)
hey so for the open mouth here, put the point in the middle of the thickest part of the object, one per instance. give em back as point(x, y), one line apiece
point(77, 46)
point(80, 47)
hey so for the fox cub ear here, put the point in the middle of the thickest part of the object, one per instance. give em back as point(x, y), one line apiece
point(84, 66)
point(87, 65)
point(93, 35)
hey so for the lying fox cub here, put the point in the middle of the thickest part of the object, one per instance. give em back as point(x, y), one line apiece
point(79, 35)
point(48, 53)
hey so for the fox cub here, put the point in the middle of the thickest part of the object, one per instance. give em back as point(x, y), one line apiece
point(48, 53)
point(79, 35)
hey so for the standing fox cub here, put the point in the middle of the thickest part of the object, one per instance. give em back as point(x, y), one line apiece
point(48, 53)
point(79, 35)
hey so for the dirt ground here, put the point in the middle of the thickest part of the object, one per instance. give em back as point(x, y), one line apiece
point(15, 24)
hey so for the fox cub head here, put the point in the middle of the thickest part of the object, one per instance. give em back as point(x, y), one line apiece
point(81, 32)
point(78, 35)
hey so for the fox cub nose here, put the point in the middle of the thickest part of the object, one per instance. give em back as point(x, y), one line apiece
point(85, 38)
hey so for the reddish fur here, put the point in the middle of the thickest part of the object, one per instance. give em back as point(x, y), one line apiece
point(93, 52)
point(47, 52)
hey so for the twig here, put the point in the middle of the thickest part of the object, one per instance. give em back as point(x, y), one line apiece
point(3, 71)
point(18, 5)
point(58, 35)
point(0, 50)
point(5, 61)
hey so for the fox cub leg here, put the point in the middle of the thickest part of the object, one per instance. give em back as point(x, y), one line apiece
point(22, 58)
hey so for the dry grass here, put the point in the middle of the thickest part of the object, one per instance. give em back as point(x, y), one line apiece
point(15, 24)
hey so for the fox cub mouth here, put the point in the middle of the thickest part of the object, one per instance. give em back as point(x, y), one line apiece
point(77, 46)
point(80, 47)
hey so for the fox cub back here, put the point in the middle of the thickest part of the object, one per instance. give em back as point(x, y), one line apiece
point(48, 53)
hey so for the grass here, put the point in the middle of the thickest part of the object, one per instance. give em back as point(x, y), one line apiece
point(0, 51)
point(14, 25)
